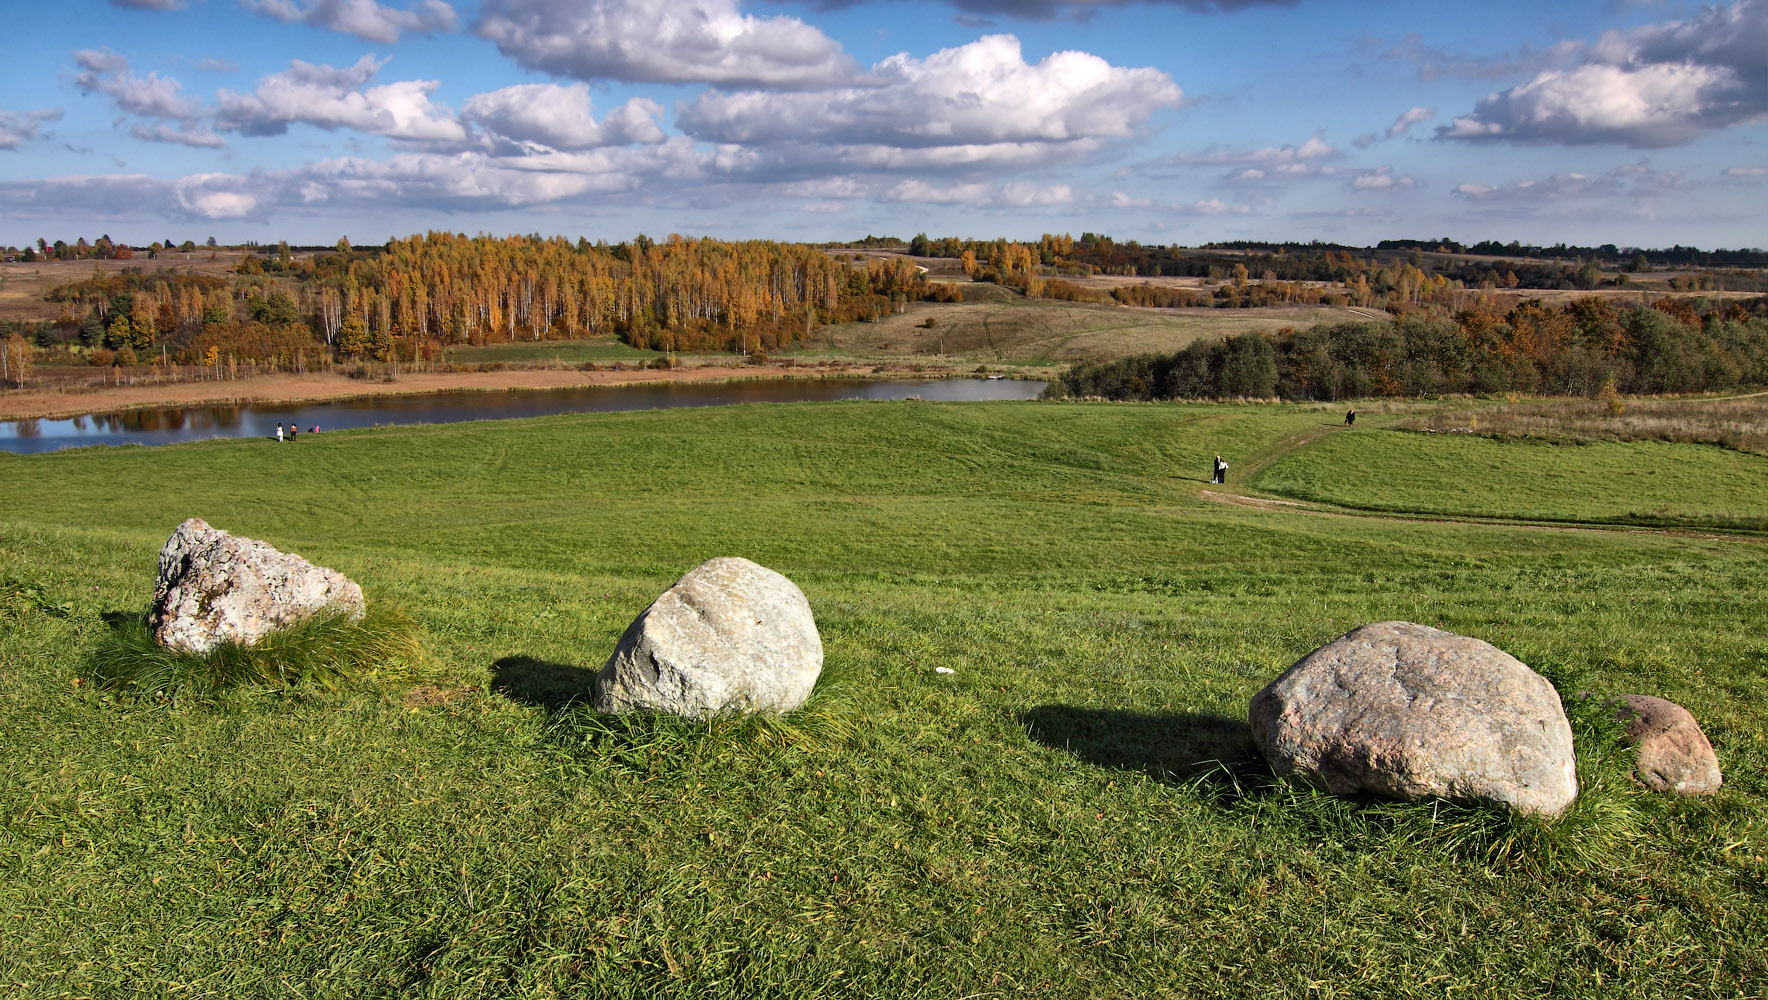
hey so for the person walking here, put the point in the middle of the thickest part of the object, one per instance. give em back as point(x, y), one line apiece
point(1219, 471)
point(1350, 417)
point(278, 433)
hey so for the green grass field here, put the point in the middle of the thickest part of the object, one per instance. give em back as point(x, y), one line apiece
point(1631, 482)
point(1075, 812)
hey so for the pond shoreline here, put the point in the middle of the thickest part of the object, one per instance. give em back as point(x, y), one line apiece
point(28, 404)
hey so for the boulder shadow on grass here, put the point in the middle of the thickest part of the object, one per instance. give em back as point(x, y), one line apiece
point(542, 683)
point(1180, 746)
point(117, 621)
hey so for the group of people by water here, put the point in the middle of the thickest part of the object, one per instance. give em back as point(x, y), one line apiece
point(294, 429)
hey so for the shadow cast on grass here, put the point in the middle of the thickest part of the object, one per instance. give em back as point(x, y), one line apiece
point(117, 621)
point(543, 684)
point(645, 742)
point(1178, 747)
point(1215, 757)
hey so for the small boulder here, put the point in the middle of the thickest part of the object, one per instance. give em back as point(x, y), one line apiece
point(1410, 712)
point(729, 637)
point(1674, 755)
point(214, 586)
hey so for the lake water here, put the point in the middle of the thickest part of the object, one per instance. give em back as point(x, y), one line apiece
point(195, 423)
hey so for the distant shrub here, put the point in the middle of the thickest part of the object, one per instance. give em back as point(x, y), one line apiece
point(1068, 291)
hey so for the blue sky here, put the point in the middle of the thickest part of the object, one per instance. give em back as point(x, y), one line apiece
point(1169, 121)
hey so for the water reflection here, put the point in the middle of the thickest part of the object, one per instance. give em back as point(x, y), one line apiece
point(195, 423)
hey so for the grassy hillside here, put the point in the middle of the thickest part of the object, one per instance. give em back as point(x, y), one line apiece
point(1075, 812)
point(1630, 482)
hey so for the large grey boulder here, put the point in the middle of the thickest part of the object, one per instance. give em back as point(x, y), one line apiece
point(1410, 712)
point(1674, 755)
point(730, 637)
point(214, 586)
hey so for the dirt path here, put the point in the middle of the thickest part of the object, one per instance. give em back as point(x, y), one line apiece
point(51, 404)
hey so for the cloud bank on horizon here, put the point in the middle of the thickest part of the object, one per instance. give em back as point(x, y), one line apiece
point(1162, 120)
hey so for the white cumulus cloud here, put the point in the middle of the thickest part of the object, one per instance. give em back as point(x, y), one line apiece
point(153, 96)
point(1401, 125)
point(1655, 86)
point(962, 101)
point(20, 127)
point(366, 19)
point(218, 196)
point(1043, 10)
point(200, 137)
point(560, 117)
point(1382, 178)
point(929, 193)
point(331, 97)
point(1015, 194)
point(1205, 206)
point(663, 41)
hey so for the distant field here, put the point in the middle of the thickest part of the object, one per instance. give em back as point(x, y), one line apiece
point(1739, 422)
point(995, 325)
point(1074, 812)
point(22, 286)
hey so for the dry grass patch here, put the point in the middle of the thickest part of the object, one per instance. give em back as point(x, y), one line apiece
point(994, 324)
point(22, 286)
point(1739, 423)
point(431, 696)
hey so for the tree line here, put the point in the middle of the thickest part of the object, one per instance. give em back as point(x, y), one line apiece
point(1352, 268)
point(1674, 346)
point(415, 295)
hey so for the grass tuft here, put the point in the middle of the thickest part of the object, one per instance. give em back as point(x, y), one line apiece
point(1596, 831)
point(323, 650)
point(644, 742)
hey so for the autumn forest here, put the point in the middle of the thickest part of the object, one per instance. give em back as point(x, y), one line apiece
point(1436, 316)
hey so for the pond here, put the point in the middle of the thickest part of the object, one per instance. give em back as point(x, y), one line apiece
point(195, 423)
